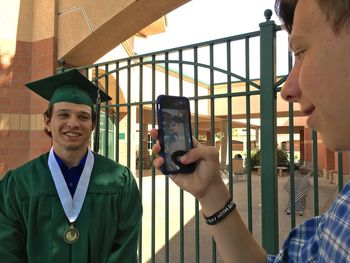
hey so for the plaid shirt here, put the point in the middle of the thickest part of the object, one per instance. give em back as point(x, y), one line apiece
point(325, 238)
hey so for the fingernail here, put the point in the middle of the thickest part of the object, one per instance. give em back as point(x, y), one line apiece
point(183, 158)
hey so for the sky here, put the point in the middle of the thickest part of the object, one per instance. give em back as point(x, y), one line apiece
point(203, 20)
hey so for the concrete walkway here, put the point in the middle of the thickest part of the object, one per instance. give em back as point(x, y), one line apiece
point(327, 192)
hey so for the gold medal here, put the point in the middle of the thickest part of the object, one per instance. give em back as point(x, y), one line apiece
point(71, 235)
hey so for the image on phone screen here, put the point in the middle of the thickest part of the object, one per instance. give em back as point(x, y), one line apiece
point(176, 133)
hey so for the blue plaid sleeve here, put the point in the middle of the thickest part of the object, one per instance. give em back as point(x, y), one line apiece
point(321, 239)
point(295, 247)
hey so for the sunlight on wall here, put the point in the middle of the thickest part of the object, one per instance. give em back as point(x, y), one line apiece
point(9, 18)
point(8, 33)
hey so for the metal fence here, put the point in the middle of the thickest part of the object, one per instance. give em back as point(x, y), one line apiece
point(232, 84)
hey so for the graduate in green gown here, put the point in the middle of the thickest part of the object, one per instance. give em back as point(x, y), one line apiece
point(70, 204)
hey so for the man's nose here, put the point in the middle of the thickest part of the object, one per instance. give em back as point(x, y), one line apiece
point(290, 90)
point(73, 121)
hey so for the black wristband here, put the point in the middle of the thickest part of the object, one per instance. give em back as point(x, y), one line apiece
point(221, 214)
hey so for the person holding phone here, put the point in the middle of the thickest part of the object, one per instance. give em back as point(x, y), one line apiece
point(70, 204)
point(320, 82)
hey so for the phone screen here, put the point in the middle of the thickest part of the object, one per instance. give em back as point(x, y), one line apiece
point(175, 132)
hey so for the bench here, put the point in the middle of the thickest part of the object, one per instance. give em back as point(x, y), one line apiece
point(281, 170)
point(236, 177)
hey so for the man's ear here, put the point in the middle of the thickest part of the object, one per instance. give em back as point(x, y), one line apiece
point(47, 122)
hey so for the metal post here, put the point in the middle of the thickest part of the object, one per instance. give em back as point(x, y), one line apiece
point(96, 146)
point(340, 171)
point(315, 171)
point(269, 194)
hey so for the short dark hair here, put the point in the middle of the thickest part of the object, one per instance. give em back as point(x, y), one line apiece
point(337, 12)
point(285, 11)
point(48, 114)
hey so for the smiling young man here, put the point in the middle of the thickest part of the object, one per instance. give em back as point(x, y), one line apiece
point(69, 205)
point(320, 82)
point(70, 127)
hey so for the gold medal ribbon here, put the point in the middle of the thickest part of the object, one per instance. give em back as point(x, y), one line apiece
point(71, 206)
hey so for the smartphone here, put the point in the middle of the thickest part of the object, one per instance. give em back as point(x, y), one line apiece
point(174, 133)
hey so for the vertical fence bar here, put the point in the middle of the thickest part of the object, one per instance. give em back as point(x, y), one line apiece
point(212, 92)
point(106, 124)
point(315, 171)
point(182, 240)
point(117, 113)
point(153, 224)
point(97, 128)
point(340, 171)
point(166, 177)
point(195, 83)
point(229, 114)
point(141, 146)
point(249, 156)
point(212, 119)
point(269, 194)
point(291, 152)
point(128, 129)
point(291, 165)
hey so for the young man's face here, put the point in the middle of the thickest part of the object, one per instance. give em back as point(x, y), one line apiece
point(71, 126)
point(320, 79)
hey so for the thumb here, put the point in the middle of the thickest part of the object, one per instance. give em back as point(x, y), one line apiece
point(200, 152)
point(192, 156)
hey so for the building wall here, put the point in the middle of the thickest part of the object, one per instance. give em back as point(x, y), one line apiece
point(327, 159)
point(21, 136)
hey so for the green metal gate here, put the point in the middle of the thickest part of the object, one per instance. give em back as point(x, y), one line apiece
point(223, 82)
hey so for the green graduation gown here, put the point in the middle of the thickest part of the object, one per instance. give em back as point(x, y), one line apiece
point(32, 220)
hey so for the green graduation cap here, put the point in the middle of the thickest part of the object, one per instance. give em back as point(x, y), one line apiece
point(69, 86)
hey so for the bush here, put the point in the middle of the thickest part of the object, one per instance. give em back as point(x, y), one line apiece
point(282, 158)
point(255, 159)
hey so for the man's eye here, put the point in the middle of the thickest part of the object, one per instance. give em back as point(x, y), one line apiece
point(84, 118)
point(63, 115)
point(299, 53)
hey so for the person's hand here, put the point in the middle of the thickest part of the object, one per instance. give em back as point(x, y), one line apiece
point(205, 178)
